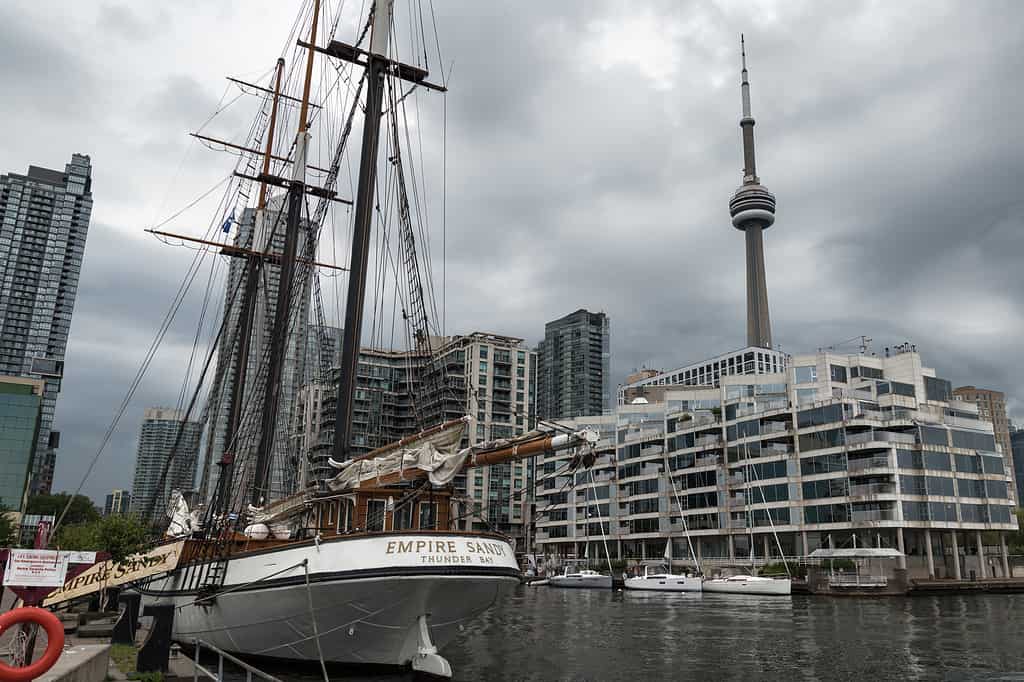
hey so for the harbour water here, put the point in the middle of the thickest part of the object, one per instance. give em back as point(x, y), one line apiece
point(551, 634)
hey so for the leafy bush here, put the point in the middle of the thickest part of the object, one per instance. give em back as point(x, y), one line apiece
point(122, 536)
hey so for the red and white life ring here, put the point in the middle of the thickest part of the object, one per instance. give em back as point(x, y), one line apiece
point(54, 644)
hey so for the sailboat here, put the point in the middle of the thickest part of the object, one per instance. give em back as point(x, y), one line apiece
point(363, 566)
point(751, 584)
point(664, 581)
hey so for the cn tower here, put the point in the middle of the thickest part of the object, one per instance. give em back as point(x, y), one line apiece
point(753, 210)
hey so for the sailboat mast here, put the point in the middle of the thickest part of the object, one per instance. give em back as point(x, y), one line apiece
point(375, 69)
point(246, 316)
point(279, 337)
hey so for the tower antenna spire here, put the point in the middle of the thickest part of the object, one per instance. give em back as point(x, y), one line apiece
point(753, 210)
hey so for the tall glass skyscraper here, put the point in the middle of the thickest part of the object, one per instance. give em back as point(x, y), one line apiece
point(157, 438)
point(44, 220)
point(573, 376)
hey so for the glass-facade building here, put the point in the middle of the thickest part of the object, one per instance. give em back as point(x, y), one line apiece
point(834, 450)
point(21, 402)
point(573, 366)
point(44, 221)
point(261, 231)
point(488, 378)
point(161, 429)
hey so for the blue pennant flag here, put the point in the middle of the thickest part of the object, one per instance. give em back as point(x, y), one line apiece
point(227, 223)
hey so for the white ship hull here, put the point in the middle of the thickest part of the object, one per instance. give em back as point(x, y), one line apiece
point(749, 585)
point(665, 583)
point(370, 596)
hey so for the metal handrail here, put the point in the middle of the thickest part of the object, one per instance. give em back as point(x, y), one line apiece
point(221, 655)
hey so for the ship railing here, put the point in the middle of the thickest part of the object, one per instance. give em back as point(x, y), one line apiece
point(250, 671)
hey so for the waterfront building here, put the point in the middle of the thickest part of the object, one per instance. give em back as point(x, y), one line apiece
point(44, 220)
point(161, 429)
point(264, 231)
point(488, 378)
point(573, 372)
point(752, 208)
point(1017, 448)
point(118, 502)
point(21, 402)
point(831, 450)
point(992, 408)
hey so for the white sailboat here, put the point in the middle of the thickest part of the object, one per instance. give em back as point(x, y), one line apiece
point(575, 574)
point(664, 581)
point(752, 584)
point(749, 584)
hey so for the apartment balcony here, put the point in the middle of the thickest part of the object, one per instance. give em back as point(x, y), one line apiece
point(868, 463)
point(876, 436)
point(735, 479)
point(736, 524)
point(770, 427)
point(776, 449)
point(736, 501)
point(872, 515)
point(872, 489)
point(707, 460)
point(708, 442)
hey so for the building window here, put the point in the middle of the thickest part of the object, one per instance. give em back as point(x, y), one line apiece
point(838, 373)
point(428, 515)
point(483, 351)
point(807, 374)
point(403, 517)
point(806, 396)
point(375, 515)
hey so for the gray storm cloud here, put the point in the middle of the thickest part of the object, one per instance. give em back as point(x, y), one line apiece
point(591, 152)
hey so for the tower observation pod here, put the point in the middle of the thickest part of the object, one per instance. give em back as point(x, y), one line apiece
point(753, 210)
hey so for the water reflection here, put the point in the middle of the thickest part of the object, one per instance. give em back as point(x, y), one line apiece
point(551, 634)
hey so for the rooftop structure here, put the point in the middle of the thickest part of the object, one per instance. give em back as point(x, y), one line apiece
point(710, 372)
point(753, 210)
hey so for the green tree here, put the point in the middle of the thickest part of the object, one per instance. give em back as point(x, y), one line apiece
point(81, 511)
point(122, 536)
point(8, 529)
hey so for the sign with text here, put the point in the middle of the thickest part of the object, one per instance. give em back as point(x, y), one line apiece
point(35, 568)
point(110, 574)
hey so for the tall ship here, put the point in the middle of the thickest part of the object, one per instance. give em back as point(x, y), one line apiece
point(343, 556)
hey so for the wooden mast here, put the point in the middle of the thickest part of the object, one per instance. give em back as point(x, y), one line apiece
point(376, 67)
point(279, 336)
point(246, 316)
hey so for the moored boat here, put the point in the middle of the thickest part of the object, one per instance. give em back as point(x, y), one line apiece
point(580, 577)
point(663, 581)
point(749, 584)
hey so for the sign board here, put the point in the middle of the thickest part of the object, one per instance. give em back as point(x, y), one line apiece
point(35, 568)
point(110, 574)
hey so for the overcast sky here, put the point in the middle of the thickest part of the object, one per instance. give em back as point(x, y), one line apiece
point(592, 148)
